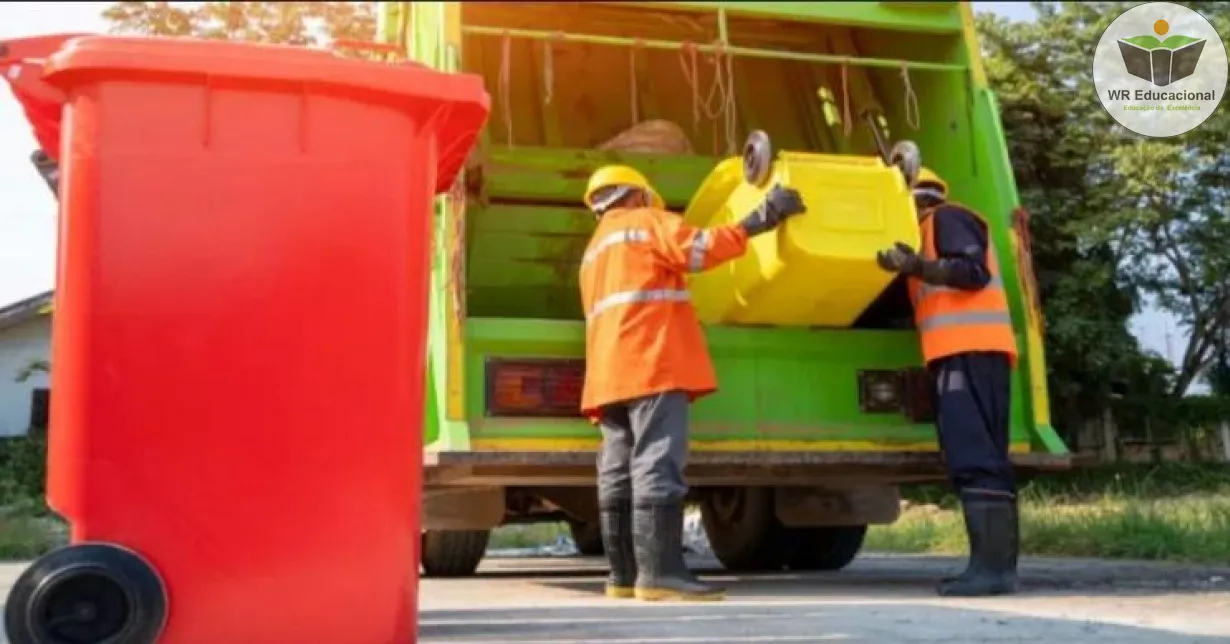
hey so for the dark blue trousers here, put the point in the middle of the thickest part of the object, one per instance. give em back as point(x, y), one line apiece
point(972, 405)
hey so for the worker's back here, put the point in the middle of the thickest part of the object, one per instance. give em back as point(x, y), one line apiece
point(642, 333)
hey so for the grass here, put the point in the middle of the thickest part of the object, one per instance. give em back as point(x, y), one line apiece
point(1191, 529)
point(1174, 512)
point(26, 533)
point(531, 535)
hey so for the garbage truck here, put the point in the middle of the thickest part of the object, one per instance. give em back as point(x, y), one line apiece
point(825, 406)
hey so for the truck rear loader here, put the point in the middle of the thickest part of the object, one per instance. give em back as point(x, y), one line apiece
point(825, 407)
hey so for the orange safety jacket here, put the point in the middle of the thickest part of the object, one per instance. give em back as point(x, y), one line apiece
point(952, 320)
point(641, 332)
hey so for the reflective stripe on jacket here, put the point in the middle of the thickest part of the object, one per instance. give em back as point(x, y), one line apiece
point(641, 332)
point(952, 320)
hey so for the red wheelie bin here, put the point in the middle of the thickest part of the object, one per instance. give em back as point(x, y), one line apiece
point(239, 342)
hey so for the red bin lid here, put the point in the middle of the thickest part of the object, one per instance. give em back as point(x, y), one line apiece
point(41, 104)
point(461, 99)
point(21, 64)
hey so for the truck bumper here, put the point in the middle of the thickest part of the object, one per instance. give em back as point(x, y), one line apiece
point(724, 468)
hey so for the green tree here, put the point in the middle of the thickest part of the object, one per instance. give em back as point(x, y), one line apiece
point(1218, 374)
point(33, 368)
point(1168, 220)
point(1181, 252)
point(1040, 72)
point(291, 23)
point(1119, 219)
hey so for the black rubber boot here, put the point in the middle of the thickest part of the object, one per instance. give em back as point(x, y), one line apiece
point(661, 570)
point(616, 522)
point(994, 540)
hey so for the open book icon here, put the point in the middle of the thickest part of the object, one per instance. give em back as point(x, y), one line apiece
point(1161, 62)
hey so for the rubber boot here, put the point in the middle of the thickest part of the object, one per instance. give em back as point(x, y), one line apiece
point(615, 519)
point(994, 539)
point(661, 571)
point(1016, 535)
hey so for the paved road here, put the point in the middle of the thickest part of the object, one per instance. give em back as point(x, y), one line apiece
point(878, 599)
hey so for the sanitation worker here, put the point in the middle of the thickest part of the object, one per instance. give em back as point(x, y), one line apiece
point(967, 341)
point(645, 362)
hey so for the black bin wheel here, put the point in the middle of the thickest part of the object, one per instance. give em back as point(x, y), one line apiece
point(90, 593)
point(757, 158)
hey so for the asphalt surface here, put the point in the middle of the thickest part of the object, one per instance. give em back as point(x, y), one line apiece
point(877, 599)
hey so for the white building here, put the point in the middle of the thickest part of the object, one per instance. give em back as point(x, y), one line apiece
point(25, 337)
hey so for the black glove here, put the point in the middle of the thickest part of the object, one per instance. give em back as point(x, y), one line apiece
point(899, 259)
point(902, 259)
point(780, 204)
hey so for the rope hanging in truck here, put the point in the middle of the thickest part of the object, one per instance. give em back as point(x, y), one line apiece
point(688, 61)
point(721, 54)
point(723, 65)
point(548, 71)
point(632, 88)
point(733, 50)
point(846, 122)
point(722, 89)
point(503, 85)
point(911, 99)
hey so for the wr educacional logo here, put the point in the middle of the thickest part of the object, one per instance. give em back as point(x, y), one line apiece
point(1161, 62)
point(1160, 69)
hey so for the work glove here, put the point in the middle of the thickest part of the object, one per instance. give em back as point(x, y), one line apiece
point(779, 205)
point(900, 259)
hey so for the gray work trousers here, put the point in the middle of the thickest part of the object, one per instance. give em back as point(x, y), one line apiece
point(644, 448)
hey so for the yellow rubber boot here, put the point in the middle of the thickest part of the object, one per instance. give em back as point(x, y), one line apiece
point(662, 574)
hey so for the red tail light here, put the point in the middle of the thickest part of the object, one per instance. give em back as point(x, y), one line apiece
point(919, 395)
point(534, 387)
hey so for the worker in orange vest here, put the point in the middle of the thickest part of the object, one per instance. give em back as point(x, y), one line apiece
point(645, 361)
point(968, 343)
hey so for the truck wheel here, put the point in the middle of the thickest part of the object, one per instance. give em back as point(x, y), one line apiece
point(743, 529)
point(453, 553)
point(91, 593)
point(587, 535)
point(825, 547)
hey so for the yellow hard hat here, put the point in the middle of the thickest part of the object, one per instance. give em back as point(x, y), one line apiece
point(620, 175)
point(927, 177)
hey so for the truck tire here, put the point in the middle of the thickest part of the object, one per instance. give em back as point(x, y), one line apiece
point(825, 547)
point(453, 553)
point(587, 535)
point(743, 529)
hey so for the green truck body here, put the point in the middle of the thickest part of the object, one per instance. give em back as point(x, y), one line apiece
point(791, 443)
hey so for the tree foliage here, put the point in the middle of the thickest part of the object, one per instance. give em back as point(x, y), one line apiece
point(32, 369)
point(1067, 186)
point(291, 23)
point(1119, 219)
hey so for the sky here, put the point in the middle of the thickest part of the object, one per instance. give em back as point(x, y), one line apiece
point(28, 210)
